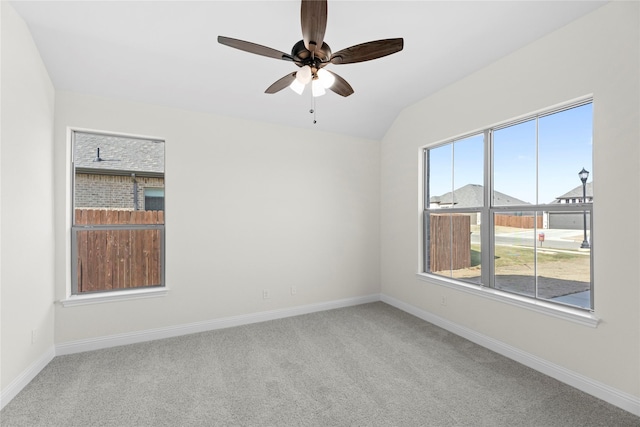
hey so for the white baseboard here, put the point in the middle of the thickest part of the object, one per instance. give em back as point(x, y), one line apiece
point(207, 325)
point(25, 378)
point(602, 391)
point(623, 400)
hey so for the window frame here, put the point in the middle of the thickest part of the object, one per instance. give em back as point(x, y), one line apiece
point(487, 287)
point(73, 297)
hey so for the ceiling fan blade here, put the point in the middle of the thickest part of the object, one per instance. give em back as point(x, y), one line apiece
point(313, 17)
point(281, 83)
point(340, 85)
point(254, 48)
point(367, 51)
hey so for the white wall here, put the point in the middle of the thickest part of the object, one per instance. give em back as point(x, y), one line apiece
point(599, 55)
point(249, 206)
point(26, 171)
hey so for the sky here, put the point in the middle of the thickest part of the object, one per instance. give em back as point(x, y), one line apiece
point(562, 146)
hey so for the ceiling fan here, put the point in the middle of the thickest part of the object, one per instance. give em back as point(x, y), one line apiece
point(312, 54)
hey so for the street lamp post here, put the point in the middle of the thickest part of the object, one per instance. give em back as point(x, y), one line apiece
point(584, 174)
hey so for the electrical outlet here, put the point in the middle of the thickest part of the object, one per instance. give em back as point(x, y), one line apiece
point(294, 290)
point(265, 294)
point(443, 300)
point(34, 336)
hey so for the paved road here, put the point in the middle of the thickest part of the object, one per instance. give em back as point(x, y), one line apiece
point(554, 239)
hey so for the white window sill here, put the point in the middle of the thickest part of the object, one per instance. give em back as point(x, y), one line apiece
point(102, 297)
point(567, 313)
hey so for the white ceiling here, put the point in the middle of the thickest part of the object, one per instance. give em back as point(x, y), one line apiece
point(167, 53)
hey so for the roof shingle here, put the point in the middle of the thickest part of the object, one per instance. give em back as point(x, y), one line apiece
point(118, 153)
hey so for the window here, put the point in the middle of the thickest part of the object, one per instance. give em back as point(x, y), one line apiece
point(118, 213)
point(504, 208)
point(154, 199)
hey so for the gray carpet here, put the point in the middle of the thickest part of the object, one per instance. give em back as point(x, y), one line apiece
point(369, 365)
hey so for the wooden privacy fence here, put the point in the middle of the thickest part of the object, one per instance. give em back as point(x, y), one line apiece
point(450, 242)
point(517, 221)
point(117, 258)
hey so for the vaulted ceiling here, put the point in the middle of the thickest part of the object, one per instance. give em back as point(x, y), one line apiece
point(167, 53)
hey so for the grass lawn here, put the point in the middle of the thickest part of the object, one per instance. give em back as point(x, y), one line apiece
point(559, 273)
point(506, 256)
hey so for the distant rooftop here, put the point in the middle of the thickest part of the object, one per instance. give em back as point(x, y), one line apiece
point(118, 154)
point(471, 195)
point(577, 192)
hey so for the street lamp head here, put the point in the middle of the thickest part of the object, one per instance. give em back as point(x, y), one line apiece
point(583, 174)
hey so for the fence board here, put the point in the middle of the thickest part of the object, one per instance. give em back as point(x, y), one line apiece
point(111, 250)
point(117, 259)
point(83, 255)
point(517, 221)
point(450, 242)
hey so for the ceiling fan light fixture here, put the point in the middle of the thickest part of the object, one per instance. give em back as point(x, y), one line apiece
point(317, 88)
point(304, 75)
point(297, 87)
point(326, 78)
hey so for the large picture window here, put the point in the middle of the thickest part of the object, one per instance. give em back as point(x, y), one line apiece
point(510, 207)
point(118, 213)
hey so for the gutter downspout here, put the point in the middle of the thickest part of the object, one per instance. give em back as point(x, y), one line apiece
point(135, 192)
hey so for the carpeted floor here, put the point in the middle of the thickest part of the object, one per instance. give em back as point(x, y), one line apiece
point(369, 365)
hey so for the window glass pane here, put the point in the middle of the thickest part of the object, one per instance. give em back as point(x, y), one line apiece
point(154, 192)
point(112, 173)
point(440, 176)
point(454, 246)
point(468, 170)
point(514, 251)
point(564, 258)
point(564, 148)
point(439, 249)
point(118, 259)
point(514, 164)
point(154, 203)
point(465, 252)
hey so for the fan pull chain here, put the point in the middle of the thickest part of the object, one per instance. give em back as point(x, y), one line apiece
point(313, 108)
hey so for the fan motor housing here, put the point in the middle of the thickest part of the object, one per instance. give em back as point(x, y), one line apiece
point(303, 57)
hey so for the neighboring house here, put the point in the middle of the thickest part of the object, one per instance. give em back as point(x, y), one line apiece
point(575, 195)
point(572, 220)
point(471, 195)
point(118, 173)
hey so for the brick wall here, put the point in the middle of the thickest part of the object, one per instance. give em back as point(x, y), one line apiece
point(110, 191)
